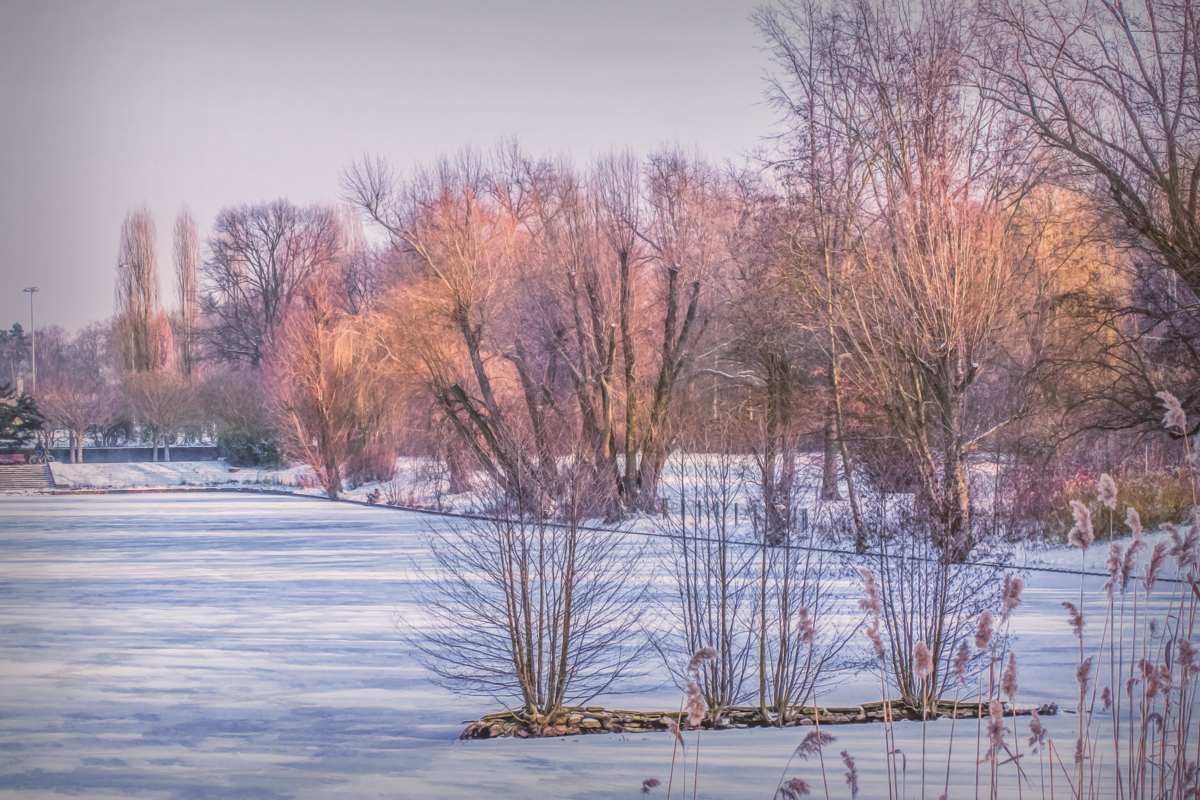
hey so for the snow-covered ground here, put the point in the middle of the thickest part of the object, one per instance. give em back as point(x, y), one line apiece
point(228, 646)
point(157, 475)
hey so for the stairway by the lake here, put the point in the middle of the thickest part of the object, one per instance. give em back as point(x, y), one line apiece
point(25, 476)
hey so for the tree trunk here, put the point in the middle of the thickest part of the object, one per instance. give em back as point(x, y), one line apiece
point(829, 463)
point(627, 350)
point(860, 529)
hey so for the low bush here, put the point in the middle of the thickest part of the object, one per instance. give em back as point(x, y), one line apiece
point(1159, 497)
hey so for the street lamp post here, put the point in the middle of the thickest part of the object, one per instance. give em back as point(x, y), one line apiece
point(32, 332)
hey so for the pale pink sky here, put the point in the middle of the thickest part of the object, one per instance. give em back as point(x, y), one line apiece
point(106, 104)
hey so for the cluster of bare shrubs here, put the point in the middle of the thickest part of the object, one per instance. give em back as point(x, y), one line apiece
point(738, 588)
point(1137, 677)
point(538, 611)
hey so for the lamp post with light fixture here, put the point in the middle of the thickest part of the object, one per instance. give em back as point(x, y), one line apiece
point(32, 333)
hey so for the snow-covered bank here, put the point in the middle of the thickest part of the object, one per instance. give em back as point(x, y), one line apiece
point(145, 475)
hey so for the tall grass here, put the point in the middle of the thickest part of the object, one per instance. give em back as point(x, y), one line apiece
point(1136, 735)
point(1137, 678)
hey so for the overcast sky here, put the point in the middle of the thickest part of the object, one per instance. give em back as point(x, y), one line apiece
point(109, 104)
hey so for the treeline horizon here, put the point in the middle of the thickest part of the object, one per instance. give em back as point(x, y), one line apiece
point(954, 243)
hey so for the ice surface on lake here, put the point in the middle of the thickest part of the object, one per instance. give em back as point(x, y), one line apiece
point(215, 646)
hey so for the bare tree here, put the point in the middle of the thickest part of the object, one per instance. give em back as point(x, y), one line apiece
point(925, 599)
point(77, 402)
point(161, 403)
point(620, 218)
point(577, 320)
point(770, 611)
point(363, 265)
point(143, 331)
point(530, 282)
point(681, 227)
point(823, 173)
point(462, 235)
point(92, 351)
point(1110, 88)
point(187, 321)
point(260, 257)
point(770, 344)
point(931, 251)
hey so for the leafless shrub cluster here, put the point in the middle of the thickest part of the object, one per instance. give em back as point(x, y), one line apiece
point(531, 612)
point(763, 598)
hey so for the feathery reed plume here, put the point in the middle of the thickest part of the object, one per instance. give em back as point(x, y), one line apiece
point(812, 744)
point(1157, 557)
point(1184, 551)
point(1176, 539)
point(673, 727)
point(1129, 686)
point(1164, 679)
point(1075, 617)
point(1174, 418)
point(793, 789)
point(1116, 557)
point(700, 658)
point(1129, 561)
point(1191, 777)
point(1083, 674)
point(1134, 521)
point(1151, 683)
point(995, 728)
point(1108, 492)
point(1010, 595)
point(869, 602)
point(694, 703)
point(649, 784)
point(1079, 750)
point(1081, 534)
point(1038, 730)
point(851, 774)
point(983, 631)
point(922, 660)
point(876, 641)
point(1187, 656)
point(1008, 681)
point(1105, 699)
point(958, 669)
point(805, 626)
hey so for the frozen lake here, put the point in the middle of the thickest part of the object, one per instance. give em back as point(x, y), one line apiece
point(224, 646)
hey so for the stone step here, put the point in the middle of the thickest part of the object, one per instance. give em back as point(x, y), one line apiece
point(25, 476)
